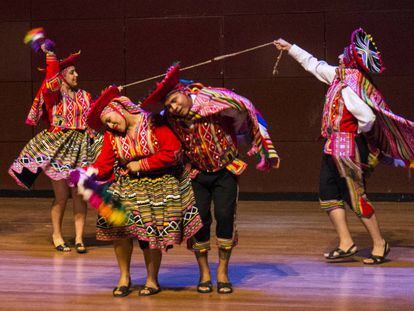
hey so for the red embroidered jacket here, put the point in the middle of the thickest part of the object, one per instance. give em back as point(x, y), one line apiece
point(62, 111)
point(155, 149)
point(336, 117)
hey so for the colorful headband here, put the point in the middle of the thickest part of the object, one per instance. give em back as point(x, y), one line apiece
point(113, 107)
point(110, 100)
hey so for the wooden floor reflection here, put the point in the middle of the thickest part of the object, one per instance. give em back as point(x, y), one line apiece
point(277, 265)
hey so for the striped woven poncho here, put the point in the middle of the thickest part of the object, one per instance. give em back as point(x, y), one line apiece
point(248, 122)
point(393, 135)
point(227, 100)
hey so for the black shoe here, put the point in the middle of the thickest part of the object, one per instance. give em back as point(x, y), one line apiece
point(207, 284)
point(339, 253)
point(377, 260)
point(80, 248)
point(122, 291)
point(149, 291)
point(224, 288)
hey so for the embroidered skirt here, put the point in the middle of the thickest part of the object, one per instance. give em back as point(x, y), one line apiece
point(56, 154)
point(160, 209)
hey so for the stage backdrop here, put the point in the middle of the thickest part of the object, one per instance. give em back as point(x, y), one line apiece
point(127, 40)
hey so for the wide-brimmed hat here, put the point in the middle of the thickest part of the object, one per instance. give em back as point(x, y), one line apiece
point(94, 115)
point(112, 99)
point(363, 52)
point(154, 102)
point(68, 61)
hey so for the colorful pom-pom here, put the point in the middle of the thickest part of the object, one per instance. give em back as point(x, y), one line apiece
point(49, 45)
point(98, 197)
point(117, 218)
point(95, 200)
point(105, 210)
point(74, 176)
point(34, 35)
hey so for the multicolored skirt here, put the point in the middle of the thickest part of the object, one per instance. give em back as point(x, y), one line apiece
point(160, 210)
point(56, 154)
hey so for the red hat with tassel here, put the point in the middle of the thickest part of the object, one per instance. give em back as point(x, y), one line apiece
point(154, 101)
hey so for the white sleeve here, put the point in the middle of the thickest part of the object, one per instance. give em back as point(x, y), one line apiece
point(320, 69)
point(359, 109)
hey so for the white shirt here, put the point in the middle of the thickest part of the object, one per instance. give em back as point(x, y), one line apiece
point(326, 73)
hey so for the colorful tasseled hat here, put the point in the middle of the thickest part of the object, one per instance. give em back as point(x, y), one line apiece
point(363, 52)
point(154, 101)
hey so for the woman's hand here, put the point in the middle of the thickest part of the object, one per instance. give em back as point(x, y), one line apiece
point(48, 46)
point(45, 50)
point(133, 166)
point(281, 44)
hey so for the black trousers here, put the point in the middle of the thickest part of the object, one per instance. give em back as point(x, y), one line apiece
point(333, 187)
point(221, 188)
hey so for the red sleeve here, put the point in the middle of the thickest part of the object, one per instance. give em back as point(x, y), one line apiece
point(168, 153)
point(53, 79)
point(51, 87)
point(52, 66)
point(106, 159)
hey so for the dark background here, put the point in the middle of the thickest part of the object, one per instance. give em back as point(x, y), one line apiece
point(123, 41)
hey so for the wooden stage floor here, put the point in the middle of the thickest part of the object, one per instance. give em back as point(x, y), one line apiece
point(277, 266)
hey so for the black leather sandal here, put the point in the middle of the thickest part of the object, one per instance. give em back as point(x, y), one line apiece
point(339, 253)
point(208, 287)
point(80, 248)
point(63, 248)
point(224, 288)
point(149, 291)
point(122, 291)
point(377, 260)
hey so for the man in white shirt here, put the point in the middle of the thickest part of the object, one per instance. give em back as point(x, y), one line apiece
point(345, 117)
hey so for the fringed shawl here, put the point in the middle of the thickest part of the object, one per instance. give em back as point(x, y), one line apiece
point(248, 121)
point(391, 134)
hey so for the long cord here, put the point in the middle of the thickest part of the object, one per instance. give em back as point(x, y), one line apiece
point(215, 59)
